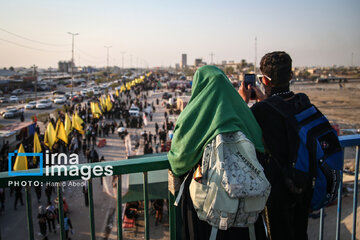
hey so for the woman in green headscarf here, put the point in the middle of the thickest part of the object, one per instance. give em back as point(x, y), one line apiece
point(215, 108)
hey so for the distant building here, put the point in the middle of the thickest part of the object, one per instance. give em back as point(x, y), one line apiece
point(183, 60)
point(223, 62)
point(6, 73)
point(64, 66)
point(198, 62)
point(177, 66)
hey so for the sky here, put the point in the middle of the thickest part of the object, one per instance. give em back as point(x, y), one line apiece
point(156, 33)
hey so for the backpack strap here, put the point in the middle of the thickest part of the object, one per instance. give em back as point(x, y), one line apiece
point(278, 105)
point(252, 232)
point(181, 190)
point(213, 234)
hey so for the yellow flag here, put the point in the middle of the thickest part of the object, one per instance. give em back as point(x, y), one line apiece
point(76, 123)
point(67, 125)
point(108, 103)
point(95, 110)
point(103, 103)
point(50, 136)
point(37, 146)
point(60, 132)
point(117, 92)
point(21, 161)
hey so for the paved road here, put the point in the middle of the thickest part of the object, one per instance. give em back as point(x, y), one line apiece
point(29, 113)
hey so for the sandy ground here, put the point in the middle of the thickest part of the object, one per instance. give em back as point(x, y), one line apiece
point(340, 105)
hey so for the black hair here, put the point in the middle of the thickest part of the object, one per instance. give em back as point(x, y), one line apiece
point(277, 66)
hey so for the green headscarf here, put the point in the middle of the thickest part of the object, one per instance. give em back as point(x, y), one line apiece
point(214, 107)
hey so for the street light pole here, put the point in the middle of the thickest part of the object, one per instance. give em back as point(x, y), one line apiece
point(107, 68)
point(34, 76)
point(72, 60)
point(122, 53)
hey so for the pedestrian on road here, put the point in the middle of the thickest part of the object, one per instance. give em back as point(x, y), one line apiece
point(18, 196)
point(50, 216)
point(67, 226)
point(150, 138)
point(38, 193)
point(2, 199)
point(158, 206)
point(156, 128)
point(48, 191)
point(85, 192)
point(93, 155)
point(42, 221)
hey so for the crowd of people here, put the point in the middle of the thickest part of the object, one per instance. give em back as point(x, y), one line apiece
point(85, 142)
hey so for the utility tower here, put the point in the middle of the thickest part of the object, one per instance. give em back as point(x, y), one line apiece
point(72, 60)
point(107, 68)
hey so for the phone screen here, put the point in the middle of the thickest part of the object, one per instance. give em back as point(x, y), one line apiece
point(249, 79)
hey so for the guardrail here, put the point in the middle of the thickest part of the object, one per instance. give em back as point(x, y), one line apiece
point(152, 163)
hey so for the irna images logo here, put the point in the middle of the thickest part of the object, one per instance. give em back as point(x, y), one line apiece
point(15, 173)
point(61, 163)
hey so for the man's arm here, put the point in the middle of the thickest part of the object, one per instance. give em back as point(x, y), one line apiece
point(245, 93)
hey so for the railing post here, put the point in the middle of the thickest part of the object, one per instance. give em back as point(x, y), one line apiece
point(119, 207)
point(91, 209)
point(146, 206)
point(172, 216)
point(61, 211)
point(321, 231)
point(355, 193)
point(339, 203)
point(29, 213)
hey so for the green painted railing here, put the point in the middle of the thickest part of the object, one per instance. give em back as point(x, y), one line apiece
point(142, 164)
point(155, 162)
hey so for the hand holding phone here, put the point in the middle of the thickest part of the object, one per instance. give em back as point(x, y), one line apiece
point(250, 79)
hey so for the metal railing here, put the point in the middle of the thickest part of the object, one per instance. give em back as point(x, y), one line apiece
point(137, 165)
point(151, 163)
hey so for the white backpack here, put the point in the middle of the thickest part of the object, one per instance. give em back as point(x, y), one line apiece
point(233, 189)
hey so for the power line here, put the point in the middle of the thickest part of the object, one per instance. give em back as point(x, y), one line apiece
point(35, 41)
point(37, 49)
point(83, 52)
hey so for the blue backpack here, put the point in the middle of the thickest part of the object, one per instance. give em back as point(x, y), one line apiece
point(317, 153)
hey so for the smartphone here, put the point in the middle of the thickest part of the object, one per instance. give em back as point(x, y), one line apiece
point(250, 79)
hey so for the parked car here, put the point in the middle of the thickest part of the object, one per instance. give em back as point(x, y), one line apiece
point(77, 98)
point(96, 92)
point(13, 99)
point(5, 110)
point(166, 96)
point(83, 85)
point(13, 112)
point(58, 92)
point(43, 104)
point(60, 100)
point(30, 105)
point(17, 91)
point(83, 92)
point(3, 100)
point(134, 111)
